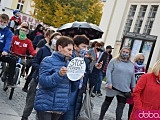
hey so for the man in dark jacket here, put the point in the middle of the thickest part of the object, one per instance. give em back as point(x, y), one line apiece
point(106, 57)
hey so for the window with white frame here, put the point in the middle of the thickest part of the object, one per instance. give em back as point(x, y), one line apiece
point(130, 18)
point(20, 4)
point(140, 18)
point(150, 19)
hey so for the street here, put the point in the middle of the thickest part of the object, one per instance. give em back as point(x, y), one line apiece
point(14, 108)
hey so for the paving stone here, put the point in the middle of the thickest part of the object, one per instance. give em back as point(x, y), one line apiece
point(18, 102)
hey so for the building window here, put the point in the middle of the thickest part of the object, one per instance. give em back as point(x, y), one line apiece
point(140, 18)
point(150, 19)
point(20, 5)
point(130, 18)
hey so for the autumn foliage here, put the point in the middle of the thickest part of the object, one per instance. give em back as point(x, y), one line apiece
point(59, 12)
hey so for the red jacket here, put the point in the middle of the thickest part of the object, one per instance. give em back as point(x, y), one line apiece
point(17, 19)
point(146, 95)
point(21, 46)
point(136, 70)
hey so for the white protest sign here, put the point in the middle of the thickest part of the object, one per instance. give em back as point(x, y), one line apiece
point(138, 75)
point(76, 68)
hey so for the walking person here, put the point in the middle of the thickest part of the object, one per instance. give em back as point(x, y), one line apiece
point(139, 68)
point(105, 57)
point(46, 50)
point(147, 93)
point(95, 52)
point(52, 96)
point(37, 31)
point(120, 75)
point(15, 20)
point(81, 43)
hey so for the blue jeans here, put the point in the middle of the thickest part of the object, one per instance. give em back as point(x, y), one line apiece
point(99, 82)
point(94, 78)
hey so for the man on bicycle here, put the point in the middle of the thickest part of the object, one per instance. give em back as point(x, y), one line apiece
point(5, 43)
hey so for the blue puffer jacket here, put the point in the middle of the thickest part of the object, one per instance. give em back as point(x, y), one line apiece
point(54, 90)
point(5, 39)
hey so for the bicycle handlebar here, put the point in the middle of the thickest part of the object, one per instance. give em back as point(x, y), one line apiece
point(20, 55)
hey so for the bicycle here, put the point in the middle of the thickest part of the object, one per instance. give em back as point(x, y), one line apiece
point(17, 75)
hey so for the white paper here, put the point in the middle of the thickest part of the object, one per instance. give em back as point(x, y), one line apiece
point(76, 68)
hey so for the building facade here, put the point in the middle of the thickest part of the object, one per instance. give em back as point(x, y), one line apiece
point(25, 6)
point(135, 24)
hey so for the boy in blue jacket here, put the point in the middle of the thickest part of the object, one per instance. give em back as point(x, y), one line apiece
point(5, 43)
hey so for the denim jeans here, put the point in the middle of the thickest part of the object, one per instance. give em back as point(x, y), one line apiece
point(99, 82)
point(93, 78)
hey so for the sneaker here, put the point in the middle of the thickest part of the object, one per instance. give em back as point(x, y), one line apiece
point(99, 94)
point(93, 95)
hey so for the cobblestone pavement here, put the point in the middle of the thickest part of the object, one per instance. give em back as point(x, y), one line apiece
point(18, 102)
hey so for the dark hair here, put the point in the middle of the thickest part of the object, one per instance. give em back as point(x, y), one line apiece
point(37, 28)
point(64, 41)
point(93, 44)
point(79, 39)
point(54, 35)
point(98, 44)
point(4, 17)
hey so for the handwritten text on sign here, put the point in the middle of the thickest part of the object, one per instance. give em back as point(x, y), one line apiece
point(76, 68)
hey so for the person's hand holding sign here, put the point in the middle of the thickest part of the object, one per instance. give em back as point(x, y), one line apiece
point(99, 65)
point(63, 71)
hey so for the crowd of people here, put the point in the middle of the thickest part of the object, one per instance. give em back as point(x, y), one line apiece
point(49, 90)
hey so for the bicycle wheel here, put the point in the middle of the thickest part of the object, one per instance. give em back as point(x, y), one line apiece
point(4, 77)
point(11, 93)
point(16, 76)
point(3, 70)
point(15, 79)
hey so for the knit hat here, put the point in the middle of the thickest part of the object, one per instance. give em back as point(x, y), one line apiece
point(15, 12)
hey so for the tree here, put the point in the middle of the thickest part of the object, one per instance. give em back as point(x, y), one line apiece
point(59, 12)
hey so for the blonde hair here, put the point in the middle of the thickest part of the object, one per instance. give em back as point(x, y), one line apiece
point(137, 56)
point(156, 68)
point(119, 56)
